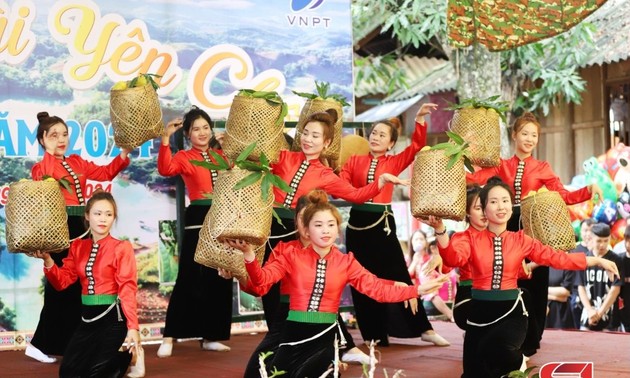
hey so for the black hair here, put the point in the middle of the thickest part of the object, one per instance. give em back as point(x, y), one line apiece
point(601, 230)
point(46, 121)
point(493, 182)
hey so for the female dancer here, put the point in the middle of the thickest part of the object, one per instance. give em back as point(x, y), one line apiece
point(371, 234)
point(106, 269)
point(201, 301)
point(476, 222)
point(304, 171)
point(61, 313)
point(497, 322)
point(271, 340)
point(523, 174)
point(317, 274)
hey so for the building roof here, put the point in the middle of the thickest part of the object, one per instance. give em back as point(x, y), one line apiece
point(425, 76)
point(612, 39)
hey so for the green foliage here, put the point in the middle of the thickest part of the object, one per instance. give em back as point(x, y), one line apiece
point(7, 317)
point(547, 72)
point(455, 148)
point(322, 89)
point(521, 374)
point(62, 181)
point(149, 78)
point(491, 102)
point(271, 97)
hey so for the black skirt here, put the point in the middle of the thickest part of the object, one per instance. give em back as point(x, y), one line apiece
point(494, 350)
point(61, 313)
point(309, 359)
point(201, 301)
point(94, 348)
point(382, 255)
point(461, 308)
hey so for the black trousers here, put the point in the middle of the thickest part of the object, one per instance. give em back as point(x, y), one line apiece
point(201, 301)
point(494, 350)
point(381, 254)
point(93, 349)
point(61, 313)
point(461, 308)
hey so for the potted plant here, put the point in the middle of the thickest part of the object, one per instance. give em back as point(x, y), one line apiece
point(478, 122)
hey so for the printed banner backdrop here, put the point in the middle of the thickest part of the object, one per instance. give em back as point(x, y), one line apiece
point(64, 56)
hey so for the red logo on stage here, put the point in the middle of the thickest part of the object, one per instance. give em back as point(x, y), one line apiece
point(567, 370)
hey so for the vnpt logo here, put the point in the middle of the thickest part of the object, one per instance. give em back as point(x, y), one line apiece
point(567, 369)
point(298, 5)
point(307, 18)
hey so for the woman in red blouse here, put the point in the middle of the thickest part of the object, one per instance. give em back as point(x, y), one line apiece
point(316, 275)
point(497, 322)
point(523, 173)
point(61, 313)
point(304, 171)
point(106, 270)
point(371, 233)
point(201, 301)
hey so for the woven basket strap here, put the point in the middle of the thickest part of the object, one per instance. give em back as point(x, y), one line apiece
point(76, 182)
point(213, 173)
point(295, 182)
point(518, 180)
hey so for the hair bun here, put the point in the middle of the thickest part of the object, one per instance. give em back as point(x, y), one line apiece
point(317, 196)
point(41, 116)
point(395, 121)
point(333, 114)
point(529, 117)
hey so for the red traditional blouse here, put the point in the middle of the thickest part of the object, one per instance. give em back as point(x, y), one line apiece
point(534, 175)
point(279, 249)
point(77, 171)
point(305, 175)
point(361, 170)
point(495, 261)
point(315, 284)
point(105, 267)
point(198, 180)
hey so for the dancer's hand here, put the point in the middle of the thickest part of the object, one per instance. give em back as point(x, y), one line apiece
point(133, 339)
point(434, 263)
point(224, 273)
point(430, 286)
point(48, 261)
point(597, 195)
point(243, 246)
point(171, 128)
point(609, 266)
point(411, 303)
point(388, 178)
point(424, 110)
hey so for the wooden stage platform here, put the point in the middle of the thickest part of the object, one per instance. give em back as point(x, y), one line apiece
point(609, 352)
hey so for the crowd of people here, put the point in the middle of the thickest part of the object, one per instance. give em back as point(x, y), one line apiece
point(501, 300)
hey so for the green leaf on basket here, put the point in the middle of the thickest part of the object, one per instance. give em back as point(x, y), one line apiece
point(208, 195)
point(206, 165)
point(66, 184)
point(264, 161)
point(283, 113)
point(265, 187)
point(280, 183)
point(456, 138)
point(468, 164)
point(310, 96)
point(250, 166)
point(248, 180)
point(221, 161)
point(277, 218)
point(245, 153)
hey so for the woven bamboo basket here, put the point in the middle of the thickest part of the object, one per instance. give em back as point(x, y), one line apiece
point(546, 218)
point(214, 254)
point(239, 214)
point(313, 106)
point(436, 190)
point(253, 120)
point(36, 218)
point(136, 116)
point(481, 128)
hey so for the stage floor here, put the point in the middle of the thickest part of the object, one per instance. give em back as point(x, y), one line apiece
point(609, 352)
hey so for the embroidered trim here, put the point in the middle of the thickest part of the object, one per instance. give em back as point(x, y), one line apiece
point(213, 174)
point(295, 182)
point(371, 173)
point(518, 181)
point(318, 288)
point(497, 264)
point(88, 269)
point(77, 183)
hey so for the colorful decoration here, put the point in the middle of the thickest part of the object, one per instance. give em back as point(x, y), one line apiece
point(605, 212)
point(581, 210)
point(617, 230)
point(622, 174)
point(505, 24)
point(595, 174)
point(623, 203)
